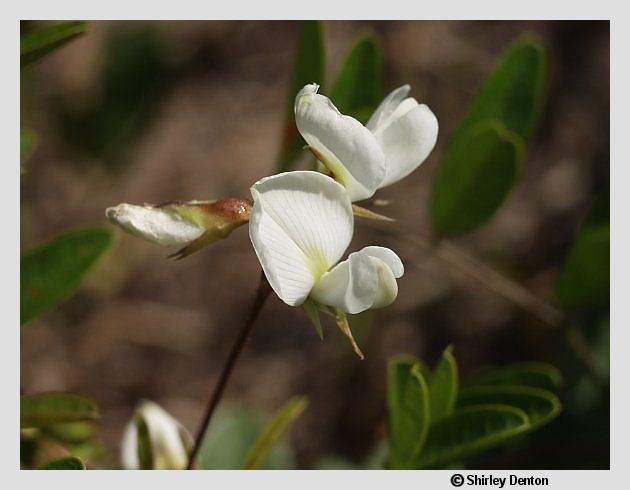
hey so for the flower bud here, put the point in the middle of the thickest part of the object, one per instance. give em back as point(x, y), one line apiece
point(194, 223)
point(154, 440)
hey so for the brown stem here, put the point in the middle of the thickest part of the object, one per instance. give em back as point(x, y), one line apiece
point(499, 284)
point(261, 296)
point(518, 295)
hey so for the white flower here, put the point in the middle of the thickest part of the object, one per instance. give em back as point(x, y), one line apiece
point(300, 226)
point(399, 136)
point(405, 130)
point(169, 440)
point(192, 223)
point(346, 147)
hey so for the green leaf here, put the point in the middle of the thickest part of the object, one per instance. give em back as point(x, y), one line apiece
point(40, 42)
point(409, 411)
point(478, 170)
point(541, 406)
point(535, 374)
point(145, 449)
point(443, 386)
point(45, 409)
point(233, 431)
point(584, 279)
point(357, 88)
point(66, 463)
point(50, 273)
point(469, 431)
point(272, 433)
point(73, 432)
point(309, 67)
point(514, 93)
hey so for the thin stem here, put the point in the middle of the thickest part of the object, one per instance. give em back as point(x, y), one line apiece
point(518, 295)
point(500, 284)
point(261, 296)
point(491, 279)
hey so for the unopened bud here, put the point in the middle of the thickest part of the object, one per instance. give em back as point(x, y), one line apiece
point(194, 223)
point(154, 440)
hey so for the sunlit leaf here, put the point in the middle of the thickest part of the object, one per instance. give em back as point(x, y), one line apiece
point(272, 433)
point(66, 463)
point(535, 374)
point(50, 273)
point(541, 406)
point(469, 431)
point(309, 67)
point(46, 409)
point(514, 92)
point(39, 42)
point(357, 88)
point(443, 386)
point(409, 411)
point(478, 170)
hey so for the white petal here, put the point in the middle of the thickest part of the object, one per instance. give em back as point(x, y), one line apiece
point(387, 107)
point(387, 285)
point(158, 225)
point(129, 448)
point(407, 140)
point(366, 280)
point(165, 434)
point(343, 144)
point(388, 256)
point(331, 289)
point(351, 286)
point(300, 225)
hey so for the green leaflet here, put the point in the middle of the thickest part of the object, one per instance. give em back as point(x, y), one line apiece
point(39, 42)
point(357, 88)
point(45, 409)
point(439, 424)
point(309, 67)
point(477, 172)
point(535, 374)
point(273, 432)
point(584, 279)
point(51, 272)
point(541, 406)
point(480, 166)
point(469, 431)
point(66, 463)
point(409, 411)
point(232, 433)
point(514, 92)
point(443, 386)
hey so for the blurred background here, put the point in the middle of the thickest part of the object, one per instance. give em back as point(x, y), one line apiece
point(156, 111)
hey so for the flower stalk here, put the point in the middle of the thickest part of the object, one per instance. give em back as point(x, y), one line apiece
point(261, 297)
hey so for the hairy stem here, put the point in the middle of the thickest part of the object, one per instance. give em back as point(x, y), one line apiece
point(261, 296)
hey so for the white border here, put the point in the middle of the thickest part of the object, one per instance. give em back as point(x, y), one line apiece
point(323, 9)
